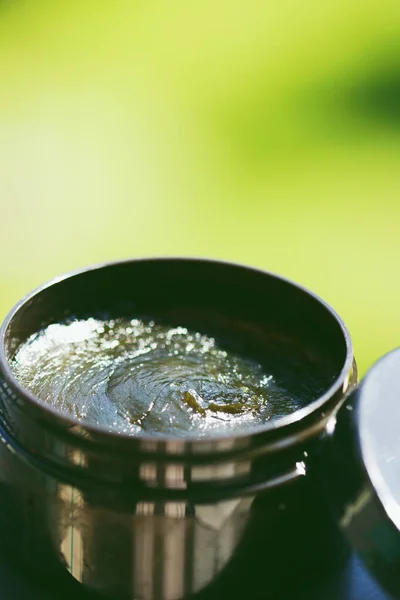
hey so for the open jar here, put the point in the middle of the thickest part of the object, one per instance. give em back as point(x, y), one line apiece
point(160, 517)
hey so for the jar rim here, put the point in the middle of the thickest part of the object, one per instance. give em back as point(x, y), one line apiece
point(172, 444)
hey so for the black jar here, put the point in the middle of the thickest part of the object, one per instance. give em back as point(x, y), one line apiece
point(161, 518)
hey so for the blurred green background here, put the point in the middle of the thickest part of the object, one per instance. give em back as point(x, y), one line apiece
point(261, 132)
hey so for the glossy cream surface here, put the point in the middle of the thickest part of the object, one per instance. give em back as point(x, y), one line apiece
point(135, 376)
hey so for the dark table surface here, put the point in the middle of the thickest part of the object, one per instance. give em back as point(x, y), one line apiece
point(16, 584)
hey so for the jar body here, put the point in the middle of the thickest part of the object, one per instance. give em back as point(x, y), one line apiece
point(257, 541)
point(160, 518)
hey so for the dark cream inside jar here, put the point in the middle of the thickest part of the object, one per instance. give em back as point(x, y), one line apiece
point(134, 376)
point(171, 349)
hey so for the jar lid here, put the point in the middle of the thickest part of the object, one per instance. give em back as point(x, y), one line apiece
point(365, 444)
